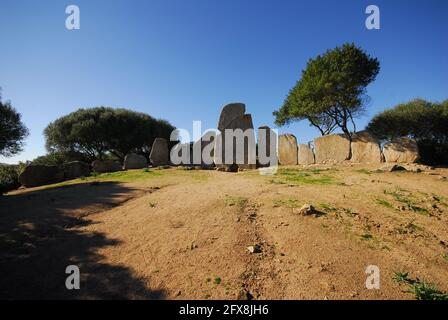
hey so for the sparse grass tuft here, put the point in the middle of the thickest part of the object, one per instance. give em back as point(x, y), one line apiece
point(365, 171)
point(384, 203)
point(366, 236)
point(421, 289)
point(217, 280)
point(235, 201)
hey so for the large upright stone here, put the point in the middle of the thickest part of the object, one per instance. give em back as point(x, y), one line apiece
point(365, 148)
point(287, 149)
point(38, 175)
point(266, 147)
point(159, 155)
point(403, 150)
point(76, 169)
point(305, 154)
point(229, 113)
point(332, 148)
point(103, 166)
point(203, 150)
point(234, 123)
point(134, 161)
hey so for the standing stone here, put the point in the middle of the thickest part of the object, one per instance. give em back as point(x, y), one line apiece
point(159, 155)
point(229, 113)
point(332, 148)
point(267, 147)
point(202, 152)
point(38, 175)
point(76, 169)
point(233, 118)
point(287, 149)
point(134, 161)
point(102, 166)
point(365, 148)
point(305, 154)
point(403, 150)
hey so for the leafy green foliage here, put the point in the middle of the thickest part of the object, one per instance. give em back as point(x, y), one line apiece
point(424, 121)
point(9, 178)
point(12, 130)
point(97, 132)
point(331, 91)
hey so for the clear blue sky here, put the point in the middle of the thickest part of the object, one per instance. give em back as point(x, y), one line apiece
point(183, 60)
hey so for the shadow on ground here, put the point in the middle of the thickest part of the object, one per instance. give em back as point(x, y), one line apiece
point(40, 237)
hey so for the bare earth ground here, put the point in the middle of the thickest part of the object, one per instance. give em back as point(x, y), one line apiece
point(178, 234)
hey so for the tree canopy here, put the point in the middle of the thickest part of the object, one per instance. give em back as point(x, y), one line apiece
point(12, 130)
point(332, 90)
point(425, 121)
point(98, 132)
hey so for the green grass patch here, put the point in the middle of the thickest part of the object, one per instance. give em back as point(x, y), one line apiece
point(297, 177)
point(420, 288)
point(231, 201)
point(289, 203)
point(364, 171)
point(217, 280)
point(366, 236)
point(327, 207)
point(384, 203)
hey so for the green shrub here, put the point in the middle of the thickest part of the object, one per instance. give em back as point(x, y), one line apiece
point(9, 178)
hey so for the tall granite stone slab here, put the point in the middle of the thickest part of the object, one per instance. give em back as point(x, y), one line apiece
point(287, 149)
point(159, 155)
point(332, 148)
point(402, 150)
point(305, 155)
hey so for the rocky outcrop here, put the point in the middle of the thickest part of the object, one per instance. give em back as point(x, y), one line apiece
point(102, 166)
point(134, 161)
point(38, 175)
point(332, 148)
point(76, 169)
point(287, 149)
point(305, 154)
point(402, 150)
point(159, 155)
point(365, 148)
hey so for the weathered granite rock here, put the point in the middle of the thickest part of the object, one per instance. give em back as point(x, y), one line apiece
point(229, 113)
point(235, 125)
point(287, 149)
point(305, 154)
point(76, 169)
point(134, 161)
point(365, 148)
point(38, 175)
point(102, 166)
point(402, 150)
point(159, 155)
point(332, 148)
point(267, 147)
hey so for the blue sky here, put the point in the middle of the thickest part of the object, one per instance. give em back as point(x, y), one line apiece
point(183, 60)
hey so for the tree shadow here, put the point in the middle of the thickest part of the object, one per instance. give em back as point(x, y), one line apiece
point(40, 237)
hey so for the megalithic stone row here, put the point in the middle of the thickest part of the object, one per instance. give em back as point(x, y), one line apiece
point(159, 155)
point(287, 149)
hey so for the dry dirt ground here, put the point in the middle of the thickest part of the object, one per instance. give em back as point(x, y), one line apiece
point(178, 234)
